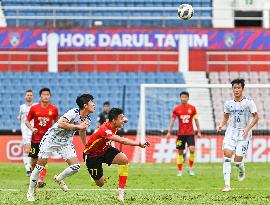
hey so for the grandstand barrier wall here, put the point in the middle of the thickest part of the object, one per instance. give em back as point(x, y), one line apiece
point(162, 149)
point(157, 49)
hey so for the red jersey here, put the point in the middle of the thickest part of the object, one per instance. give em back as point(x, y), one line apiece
point(43, 118)
point(99, 143)
point(185, 115)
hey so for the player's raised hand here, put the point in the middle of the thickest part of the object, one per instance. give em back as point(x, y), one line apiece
point(219, 127)
point(199, 134)
point(34, 130)
point(84, 125)
point(145, 144)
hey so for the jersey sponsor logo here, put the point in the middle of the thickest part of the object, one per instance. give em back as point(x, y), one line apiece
point(185, 118)
point(43, 121)
point(108, 132)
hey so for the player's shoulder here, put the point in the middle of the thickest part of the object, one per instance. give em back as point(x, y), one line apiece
point(53, 106)
point(248, 99)
point(191, 106)
point(229, 101)
point(74, 111)
point(36, 106)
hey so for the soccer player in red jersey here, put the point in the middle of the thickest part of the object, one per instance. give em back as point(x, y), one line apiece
point(185, 114)
point(43, 114)
point(98, 150)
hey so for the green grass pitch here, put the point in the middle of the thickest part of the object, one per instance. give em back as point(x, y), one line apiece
point(147, 184)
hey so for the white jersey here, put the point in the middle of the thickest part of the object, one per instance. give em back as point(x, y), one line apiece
point(240, 113)
point(24, 110)
point(63, 136)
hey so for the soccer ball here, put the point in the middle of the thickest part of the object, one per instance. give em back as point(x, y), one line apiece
point(185, 11)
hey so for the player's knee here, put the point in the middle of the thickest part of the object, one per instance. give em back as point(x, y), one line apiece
point(75, 167)
point(100, 182)
point(192, 150)
point(39, 167)
point(125, 161)
point(227, 159)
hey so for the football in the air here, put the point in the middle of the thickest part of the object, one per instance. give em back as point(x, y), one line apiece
point(185, 11)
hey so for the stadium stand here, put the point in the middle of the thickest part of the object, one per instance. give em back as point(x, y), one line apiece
point(100, 10)
point(260, 96)
point(66, 86)
point(201, 98)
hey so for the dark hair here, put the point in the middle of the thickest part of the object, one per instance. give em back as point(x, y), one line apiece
point(43, 90)
point(29, 91)
point(106, 103)
point(239, 81)
point(114, 112)
point(184, 93)
point(84, 99)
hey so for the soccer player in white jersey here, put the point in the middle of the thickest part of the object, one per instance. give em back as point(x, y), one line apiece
point(26, 132)
point(241, 113)
point(58, 139)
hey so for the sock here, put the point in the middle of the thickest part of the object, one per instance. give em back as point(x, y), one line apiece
point(240, 166)
point(227, 170)
point(123, 174)
point(69, 171)
point(34, 176)
point(191, 159)
point(43, 174)
point(26, 161)
point(179, 162)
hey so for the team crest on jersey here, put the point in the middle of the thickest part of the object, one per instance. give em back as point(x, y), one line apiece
point(189, 111)
point(50, 112)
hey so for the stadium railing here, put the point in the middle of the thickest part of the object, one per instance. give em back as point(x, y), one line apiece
point(237, 60)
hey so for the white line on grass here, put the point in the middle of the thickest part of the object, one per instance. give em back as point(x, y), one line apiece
point(142, 189)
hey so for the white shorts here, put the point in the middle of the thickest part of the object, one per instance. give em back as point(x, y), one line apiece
point(47, 147)
point(26, 136)
point(234, 141)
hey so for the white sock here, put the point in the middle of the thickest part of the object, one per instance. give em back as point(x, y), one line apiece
point(26, 161)
point(34, 176)
point(72, 169)
point(227, 171)
point(240, 166)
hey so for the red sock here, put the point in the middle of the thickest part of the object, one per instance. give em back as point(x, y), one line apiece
point(191, 163)
point(180, 167)
point(42, 175)
point(122, 182)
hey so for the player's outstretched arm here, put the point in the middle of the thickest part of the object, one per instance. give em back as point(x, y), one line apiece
point(171, 126)
point(223, 122)
point(64, 124)
point(127, 141)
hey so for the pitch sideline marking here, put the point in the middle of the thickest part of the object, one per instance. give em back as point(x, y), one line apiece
point(137, 189)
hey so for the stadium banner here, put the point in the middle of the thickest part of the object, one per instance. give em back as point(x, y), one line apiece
point(162, 149)
point(136, 39)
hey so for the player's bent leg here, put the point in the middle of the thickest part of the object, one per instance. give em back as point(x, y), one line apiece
point(34, 177)
point(100, 182)
point(33, 162)
point(227, 169)
point(122, 160)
